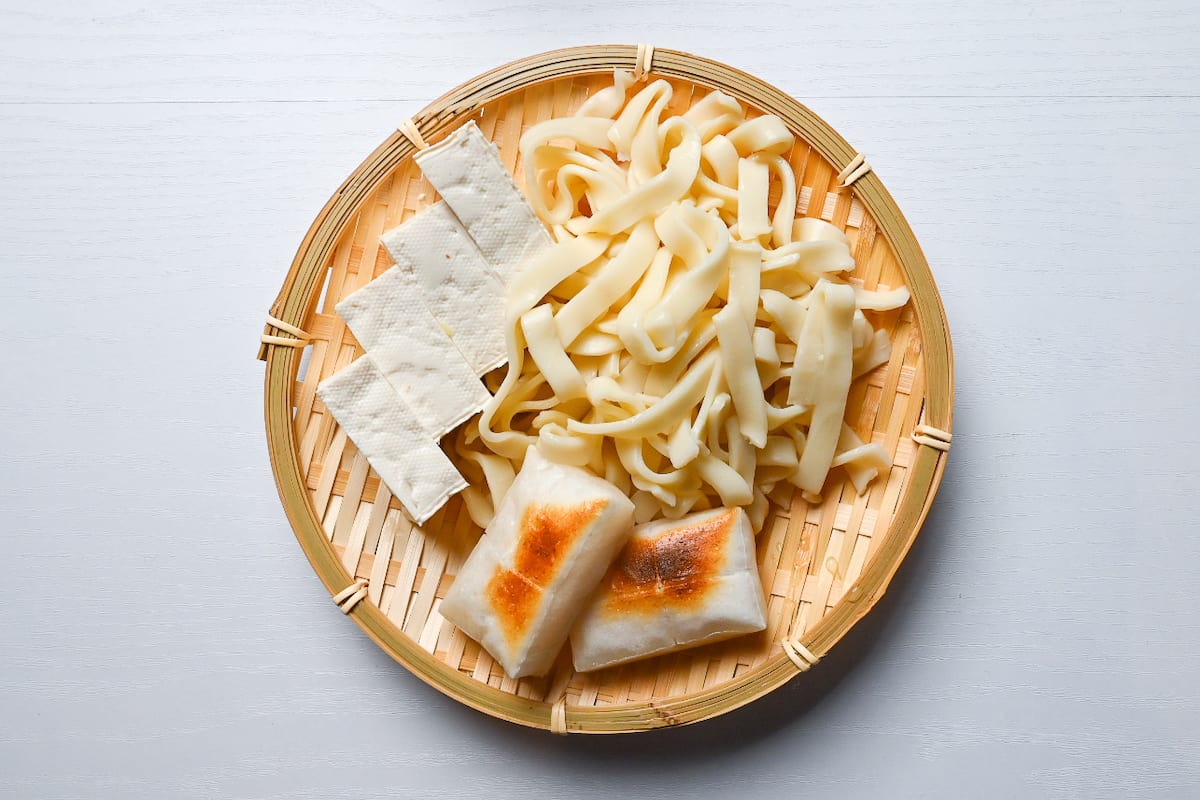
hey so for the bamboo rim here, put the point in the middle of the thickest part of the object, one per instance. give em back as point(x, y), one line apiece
point(299, 295)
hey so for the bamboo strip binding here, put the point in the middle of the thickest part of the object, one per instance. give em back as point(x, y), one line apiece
point(301, 338)
point(857, 168)
point(823, 566)
point(933, 437)
point(349, 597)
point(409, 130)
point(643, 63)
point(799, 655)
point(558, 716)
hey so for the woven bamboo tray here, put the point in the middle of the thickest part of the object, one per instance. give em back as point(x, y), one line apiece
point(823, 567)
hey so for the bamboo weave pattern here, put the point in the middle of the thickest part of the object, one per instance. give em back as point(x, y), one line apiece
point(811, 558)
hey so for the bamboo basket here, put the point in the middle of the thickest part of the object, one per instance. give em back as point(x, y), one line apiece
point(823, 567)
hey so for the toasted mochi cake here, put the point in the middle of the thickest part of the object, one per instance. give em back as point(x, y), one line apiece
point(676, 584)
point(555, 533)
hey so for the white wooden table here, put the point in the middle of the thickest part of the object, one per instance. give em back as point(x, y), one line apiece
point(162, 635)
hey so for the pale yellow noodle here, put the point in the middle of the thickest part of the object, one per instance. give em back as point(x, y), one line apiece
point(689, 367)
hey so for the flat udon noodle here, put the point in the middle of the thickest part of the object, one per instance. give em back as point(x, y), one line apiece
point(716, 114)
point(754, 179)
point(682, 339)
point(737, 349)
point(674, 179)
point(785, 211)
point(606, 288)
point(836, 303)
point(608, 101)
point(541, 341)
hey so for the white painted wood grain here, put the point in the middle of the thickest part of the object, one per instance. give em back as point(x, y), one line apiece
point(123, 50)
point(162, 635)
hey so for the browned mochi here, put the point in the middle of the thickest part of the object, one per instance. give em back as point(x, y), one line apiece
point(547, 534)
point(515, 601)
point(631, 585)
point(675, 584)
point(553, 538)
point(676, 569)
point(689, 559)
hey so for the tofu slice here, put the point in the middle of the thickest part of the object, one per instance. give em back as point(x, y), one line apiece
point(553, 537)
point(390, 320)
point(460, 288)
point(387, 432)
point(467, 172)
point(676, 584)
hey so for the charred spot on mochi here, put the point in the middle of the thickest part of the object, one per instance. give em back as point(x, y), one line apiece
point(547, 534)
point(697, 550)
point(631, 584)
point(515, 601)
point(675, 569)
point(637, 566)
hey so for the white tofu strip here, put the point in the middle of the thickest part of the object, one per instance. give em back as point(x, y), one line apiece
point(390, 320)
point(388, 433)
point(552, 539)
point(460, 288)
point(676, 584)
point(467, 172)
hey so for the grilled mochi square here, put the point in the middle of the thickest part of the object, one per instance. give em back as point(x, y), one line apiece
point(555, 533)
point(676, 584)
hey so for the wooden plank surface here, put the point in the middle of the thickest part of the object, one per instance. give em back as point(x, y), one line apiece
point(163, 635)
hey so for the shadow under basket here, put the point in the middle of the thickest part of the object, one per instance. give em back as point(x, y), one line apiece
point(823, 566)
